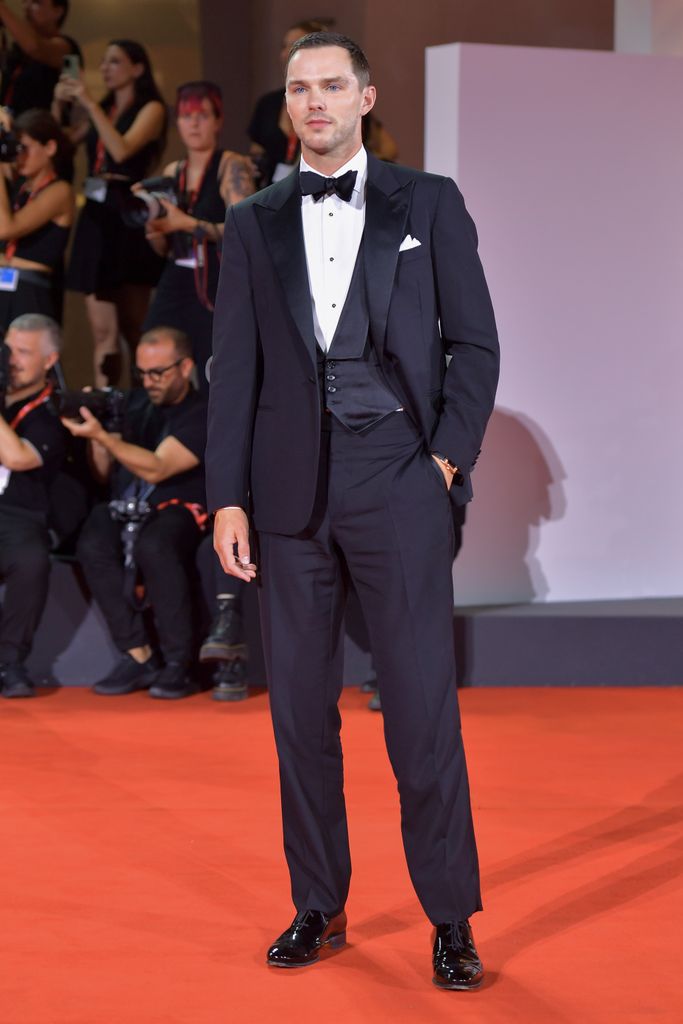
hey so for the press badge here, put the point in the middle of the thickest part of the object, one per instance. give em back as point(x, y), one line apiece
point(95, 189)
point(192, 262)
point(9, 279)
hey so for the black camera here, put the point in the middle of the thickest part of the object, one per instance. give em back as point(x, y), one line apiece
point(10, 147)
point(130, 510)
point(5, 353)
point(138, 208)
point(106, 404)
point(132, 513)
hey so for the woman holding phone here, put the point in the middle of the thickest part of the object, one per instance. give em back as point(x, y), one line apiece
point(33, 62)
point(36, 213)
point(111, 263)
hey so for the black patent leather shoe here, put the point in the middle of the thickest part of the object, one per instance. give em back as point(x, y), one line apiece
point(310, 930)
point(455, 958)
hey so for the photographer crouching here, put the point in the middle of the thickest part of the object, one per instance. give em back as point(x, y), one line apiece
point(155, 520)
point(32, 446)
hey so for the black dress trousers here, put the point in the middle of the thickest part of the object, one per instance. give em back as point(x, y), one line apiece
point(383, 512)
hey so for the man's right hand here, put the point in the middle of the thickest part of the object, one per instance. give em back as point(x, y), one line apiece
point(231, 527)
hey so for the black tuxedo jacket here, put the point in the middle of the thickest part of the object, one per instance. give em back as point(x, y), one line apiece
point(425, 302)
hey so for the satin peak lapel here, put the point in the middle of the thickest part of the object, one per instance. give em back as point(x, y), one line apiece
point(280, 221)
point(386, 214)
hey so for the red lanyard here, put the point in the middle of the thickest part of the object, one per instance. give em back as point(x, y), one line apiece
point(100, 149)
point(193, 196)
point(292, 143)
point(11, 244)
point(201, 274)
point(30, 406)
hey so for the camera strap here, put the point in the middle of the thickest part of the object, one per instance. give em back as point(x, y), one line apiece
point(40, 399)
point(201, 263)
point(19, 203)
point(197, 511)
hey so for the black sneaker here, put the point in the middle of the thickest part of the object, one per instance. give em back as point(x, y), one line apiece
point(172, 682)
point(226, 636)
point(230, 681)
point(127, 676)
point(15, 681)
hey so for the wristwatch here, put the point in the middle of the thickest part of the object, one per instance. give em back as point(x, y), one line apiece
point(444, 462)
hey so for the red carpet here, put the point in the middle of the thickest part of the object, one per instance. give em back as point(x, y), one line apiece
point(142, 876)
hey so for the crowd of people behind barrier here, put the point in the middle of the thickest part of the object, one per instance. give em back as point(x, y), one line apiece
point(114, 475)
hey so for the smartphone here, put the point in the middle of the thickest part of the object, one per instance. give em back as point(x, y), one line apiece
point(71, 65)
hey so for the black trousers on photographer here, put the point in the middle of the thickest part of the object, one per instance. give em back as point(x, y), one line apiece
point(164, 553)
point(25, 570)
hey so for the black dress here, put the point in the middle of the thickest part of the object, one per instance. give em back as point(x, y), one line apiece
point(37, 291)
point(106, 252)
point(185, 295)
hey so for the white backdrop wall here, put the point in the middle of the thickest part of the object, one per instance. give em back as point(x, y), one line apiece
point(572, 165)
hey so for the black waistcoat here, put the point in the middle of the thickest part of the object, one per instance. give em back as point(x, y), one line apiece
point(353, 386)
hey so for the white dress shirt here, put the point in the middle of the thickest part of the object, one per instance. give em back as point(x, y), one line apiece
point(332, 233)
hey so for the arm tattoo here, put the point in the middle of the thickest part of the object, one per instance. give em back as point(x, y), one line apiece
point(237, 180)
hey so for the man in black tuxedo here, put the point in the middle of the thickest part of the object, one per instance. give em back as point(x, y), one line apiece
point(337, 428)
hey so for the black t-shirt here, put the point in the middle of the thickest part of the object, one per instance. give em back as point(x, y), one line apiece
point(28, 489)
point(147, 425)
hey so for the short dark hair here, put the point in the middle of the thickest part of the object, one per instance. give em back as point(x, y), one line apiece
point(313, 25)
point(359, 62)
point(41, 126)
point(181, 341)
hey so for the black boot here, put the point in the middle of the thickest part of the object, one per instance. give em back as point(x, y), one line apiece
point(230, 680)
point(226, 636)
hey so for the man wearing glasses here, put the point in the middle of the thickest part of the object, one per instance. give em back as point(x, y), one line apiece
point(155, 468)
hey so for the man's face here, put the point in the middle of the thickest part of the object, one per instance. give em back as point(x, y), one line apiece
point(164, 376)
point(28, 363)
point(325, 100)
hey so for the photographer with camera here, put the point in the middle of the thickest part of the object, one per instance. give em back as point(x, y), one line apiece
point(184, 216)
point(156, 518)
point(37, 209)
point(125, 135)
point(32, 446)
point(31, 65)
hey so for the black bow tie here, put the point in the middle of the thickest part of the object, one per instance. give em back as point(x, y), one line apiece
point(315, 185)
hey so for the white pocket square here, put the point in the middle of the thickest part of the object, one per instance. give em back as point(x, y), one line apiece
point(409, 243)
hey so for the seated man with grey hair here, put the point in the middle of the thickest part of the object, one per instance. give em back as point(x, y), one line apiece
point(32, 447)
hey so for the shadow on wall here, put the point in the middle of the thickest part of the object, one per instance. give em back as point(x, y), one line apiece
point(517, 489)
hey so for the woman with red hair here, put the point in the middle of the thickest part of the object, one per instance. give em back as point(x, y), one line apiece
point(204, 183)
